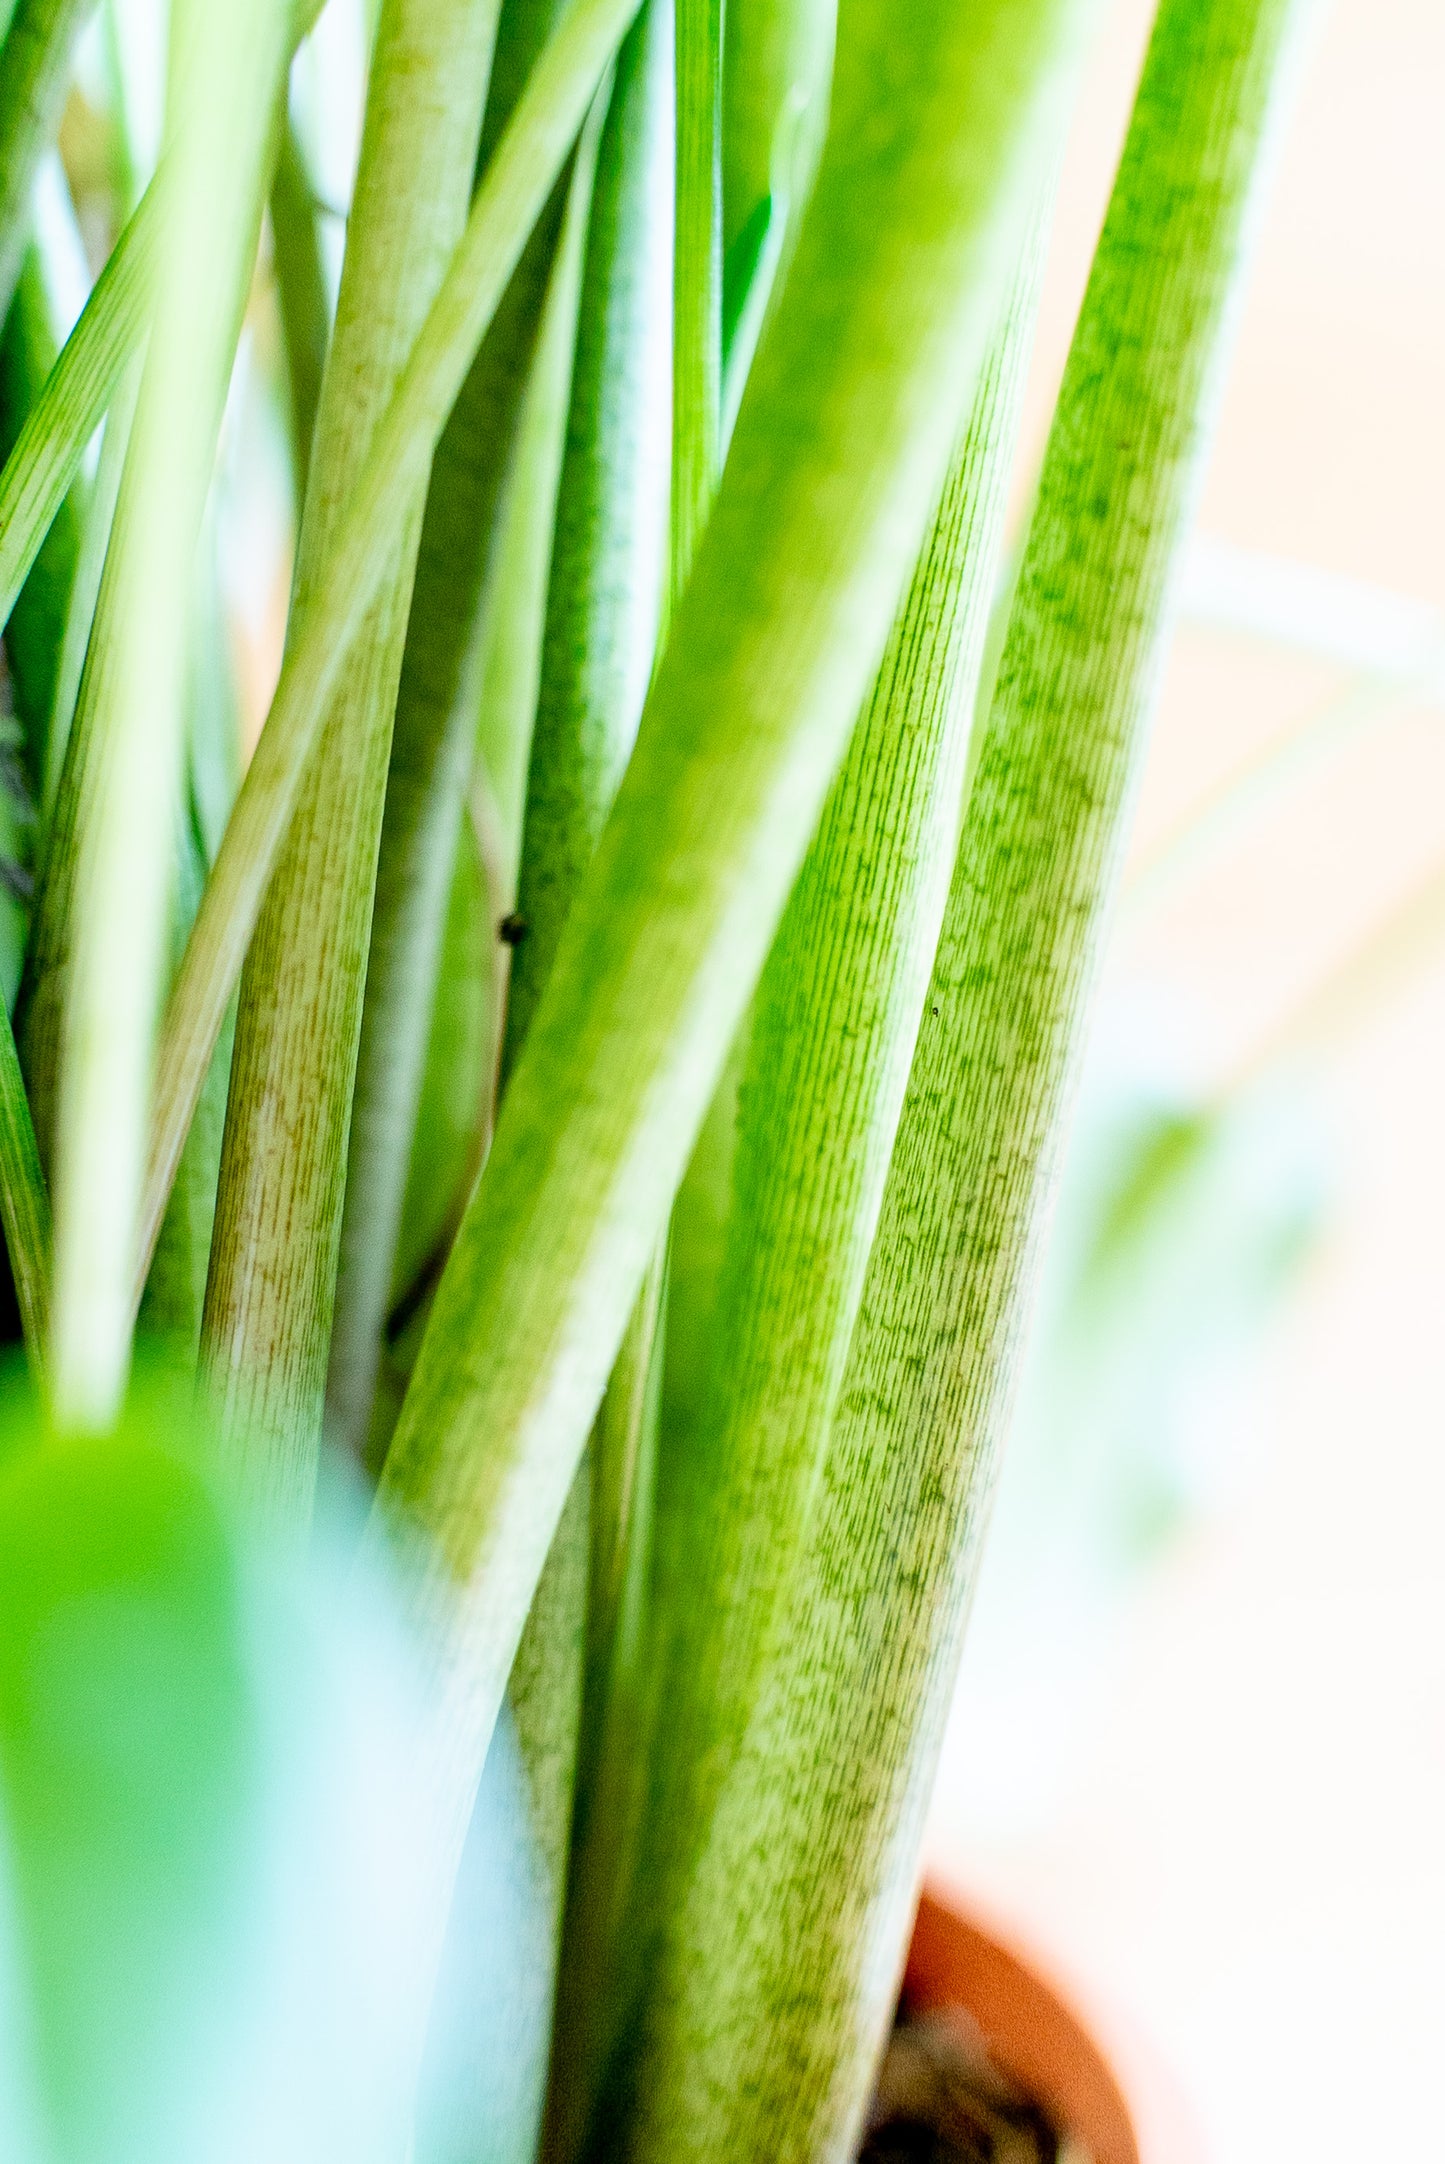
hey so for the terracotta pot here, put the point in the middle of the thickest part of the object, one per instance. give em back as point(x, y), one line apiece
point(1057, 2038)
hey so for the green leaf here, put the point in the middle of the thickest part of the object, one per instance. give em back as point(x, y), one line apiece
point(85, 585)
point(33, 485)
point(34, 75)
point(621, 1704)
point(226, 81)
point(777, 65)
point(454, 1108)
point(47, 454)
point(270, 1293)
point(302, 299)
point(609, 554)
point(777, 70)
point(170, 1312)
point(34, 634)
point(205, 1819)
point(478, 533)
point(833, 1031)
point(609, 566)
point(24, 1199)
point(697, 349)
point(833, 1774)
point(127, 1769)
point(840, 449)
point(517, 185)
point(514, 612)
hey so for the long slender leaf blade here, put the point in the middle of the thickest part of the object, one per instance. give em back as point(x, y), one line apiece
point(609, 568)
point(609, 552)
point(833, 1032)
point(24, 1200)
point(469, 548)
point(303, 301)
point(29, 348)
point(85, 587)
point(34, 71)
point(698, 279)
point(50, 447)
point(47, 455)
point(835, 1770)
point(226, 81)
point(269, 1297)
point(511, 199)
point(839, 450)
point(777, 70)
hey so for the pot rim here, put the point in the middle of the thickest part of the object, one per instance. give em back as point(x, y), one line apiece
point(1057, 2034)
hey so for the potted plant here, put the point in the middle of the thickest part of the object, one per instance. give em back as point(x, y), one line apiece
point(599, 1067)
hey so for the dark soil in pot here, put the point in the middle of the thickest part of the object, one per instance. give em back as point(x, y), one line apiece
point(941, 2101)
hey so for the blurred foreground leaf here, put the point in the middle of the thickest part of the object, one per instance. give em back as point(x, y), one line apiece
point(206, 1929)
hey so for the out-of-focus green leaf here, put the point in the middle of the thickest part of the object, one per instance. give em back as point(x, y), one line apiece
point(50, 447)
point(302, 299)
point(128, 738)
point(34, 634)
point(34, 72)
point(85, 585)
point(206, 1905)
point(519, 180)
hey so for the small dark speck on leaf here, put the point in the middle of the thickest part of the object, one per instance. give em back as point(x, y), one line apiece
point(513, 930)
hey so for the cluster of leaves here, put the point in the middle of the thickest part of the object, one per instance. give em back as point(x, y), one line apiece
point(603, 1062)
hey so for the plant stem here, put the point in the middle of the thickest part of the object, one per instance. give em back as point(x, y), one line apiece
point(609, 554)
point(697, 313)
point(433, 752)
point(29, 348)
point(85, 586)
point(24, 1201)
point(863, 378)
point(303, 302)
point(267, 1329)
point(34, 74)
point(77, 393)
point(227, 75)
point(833, 1032)
point(510, 200)
point(823, 1815)
point(777, 68)
point(604, 608)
